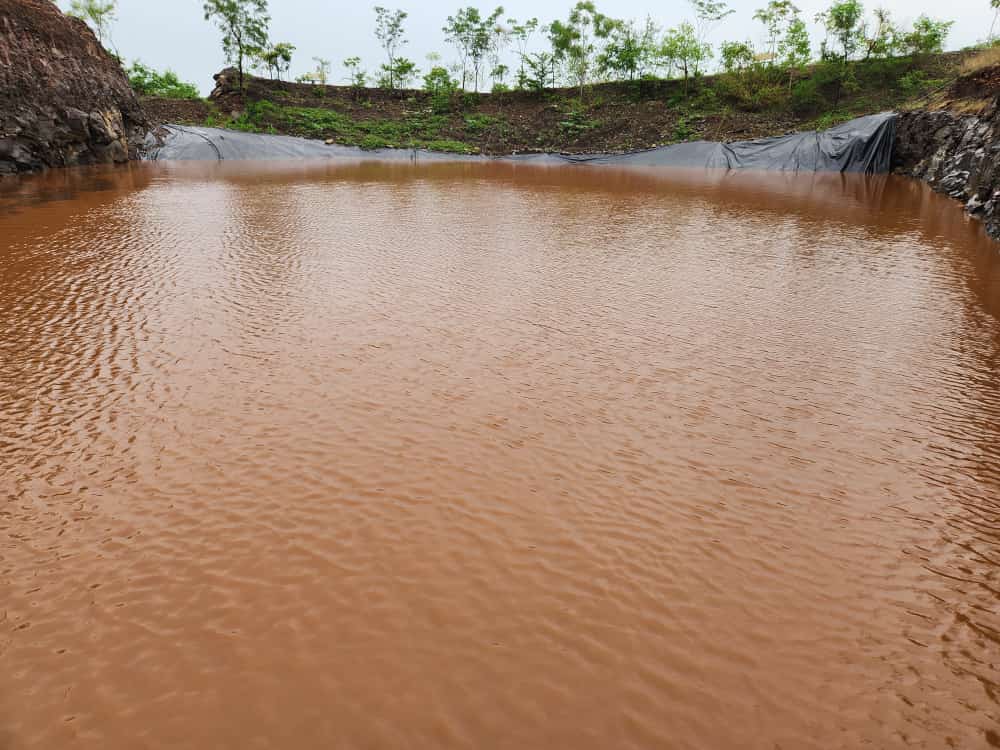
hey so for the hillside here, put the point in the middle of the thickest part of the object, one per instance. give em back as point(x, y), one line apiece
point(610, 117)
point(64, 100)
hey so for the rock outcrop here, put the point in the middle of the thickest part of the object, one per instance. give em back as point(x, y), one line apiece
point(957, 154)
point(63, 99)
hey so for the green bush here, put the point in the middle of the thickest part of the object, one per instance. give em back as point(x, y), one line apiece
point(148, 82)
point(442, 89)
point(707, 99)
point(477, 124)
point(806, 96)
point(577, 123)
point(766, 97)
point(682, 130)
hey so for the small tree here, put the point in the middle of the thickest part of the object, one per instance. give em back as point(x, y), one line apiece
point(521, 34)
point(459, 31)
point(322, 73)
point(498, 40)
point(796, 48)
point(775, 18)
point(886, 37)
point(441, 87)
point(278, 58)
point(708, 14)
point(473, 36)
point(357, 77)
point(928, 36)
point(573, 40)
point(737, 57)
point(98, 15)
point(243, 24)
point(390, 34)
point(399, 74)
point(542, 71)
point(682, 50)
point(630, 50)
point(844, 21)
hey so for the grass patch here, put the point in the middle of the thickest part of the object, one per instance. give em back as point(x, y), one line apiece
point(985, 59)
point(415, 130)
point(577, 123)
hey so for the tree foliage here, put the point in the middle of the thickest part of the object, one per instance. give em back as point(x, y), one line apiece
point(473, 35)
point(574, 41)
point(277, 58)
point(357, 76)
point(397, 74)
point(98, 14)
point(243, 24)
point(844, 22)
point(148, 82)
point(684, 52)
point(520, 34)
point(391, 35)
point(928, 36)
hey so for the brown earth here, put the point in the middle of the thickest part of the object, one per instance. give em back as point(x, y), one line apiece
point(180, 111)
point(64, 100)
point(612, 117)
point(615, 117)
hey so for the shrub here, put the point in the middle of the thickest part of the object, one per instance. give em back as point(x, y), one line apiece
point(707, 99)
point(148, 82)
point(928, 36)
point(477, 124)
point(806, 96)
point(442, 88)
point(576, 123)
point(682, 130)
point(913, 82)
point(371, 142)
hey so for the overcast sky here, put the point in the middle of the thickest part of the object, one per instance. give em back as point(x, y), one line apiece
point(173, 33)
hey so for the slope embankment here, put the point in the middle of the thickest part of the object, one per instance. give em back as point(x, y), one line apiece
point(64, 100)
point(953, 144)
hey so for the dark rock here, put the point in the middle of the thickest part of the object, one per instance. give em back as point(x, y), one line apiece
point(64, 100)
point(956, 154)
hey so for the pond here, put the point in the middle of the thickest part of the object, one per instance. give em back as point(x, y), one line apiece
point(491, 455)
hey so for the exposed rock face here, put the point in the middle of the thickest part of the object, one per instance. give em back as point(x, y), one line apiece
point(958, 155)
point(63, 99)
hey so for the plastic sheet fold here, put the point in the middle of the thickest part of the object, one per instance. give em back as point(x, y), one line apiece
point(862, 146)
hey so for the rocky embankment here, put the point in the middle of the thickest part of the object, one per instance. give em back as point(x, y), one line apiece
point(63, 99)
point(954, 146)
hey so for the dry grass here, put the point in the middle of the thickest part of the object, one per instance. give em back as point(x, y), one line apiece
point(985, 59)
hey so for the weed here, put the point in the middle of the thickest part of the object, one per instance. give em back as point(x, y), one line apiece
point(989, 57)
point(478, 124)
point(577, 123)
point(682, 130)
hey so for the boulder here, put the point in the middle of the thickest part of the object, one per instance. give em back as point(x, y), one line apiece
point(64, 99)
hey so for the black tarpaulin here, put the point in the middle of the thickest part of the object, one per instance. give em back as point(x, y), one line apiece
point(863, 145)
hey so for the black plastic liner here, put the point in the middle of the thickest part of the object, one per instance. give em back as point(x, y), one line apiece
point(863, 146)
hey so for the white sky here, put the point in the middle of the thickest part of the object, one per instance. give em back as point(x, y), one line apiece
point(172, 33)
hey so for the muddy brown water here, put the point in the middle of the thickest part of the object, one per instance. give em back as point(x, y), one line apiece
point(494, 456)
